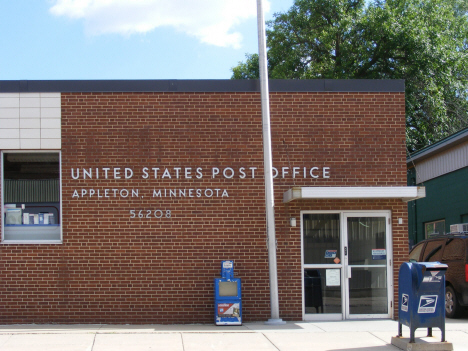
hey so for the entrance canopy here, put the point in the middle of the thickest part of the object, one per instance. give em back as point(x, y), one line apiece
point(405, 193)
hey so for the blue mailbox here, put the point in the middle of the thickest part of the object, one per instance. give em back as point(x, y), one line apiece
point(228, 299)
point(421, 294)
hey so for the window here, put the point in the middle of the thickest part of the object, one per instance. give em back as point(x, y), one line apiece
point(433, 251)
point(454, 250)
point(31, 197)
point(416, 252)
point(435, 228)
point(321, 233)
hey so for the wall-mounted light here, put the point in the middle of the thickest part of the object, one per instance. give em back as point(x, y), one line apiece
point(292, 222)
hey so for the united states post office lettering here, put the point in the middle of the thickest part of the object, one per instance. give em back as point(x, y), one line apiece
point(196, 172)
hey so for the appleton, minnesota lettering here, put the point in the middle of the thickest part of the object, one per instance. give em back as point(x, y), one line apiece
point(156, 193)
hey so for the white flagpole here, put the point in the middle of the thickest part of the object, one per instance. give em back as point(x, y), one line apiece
point(267, 160)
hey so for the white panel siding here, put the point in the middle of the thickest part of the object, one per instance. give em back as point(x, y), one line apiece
point(443, 163)
point(30, 121)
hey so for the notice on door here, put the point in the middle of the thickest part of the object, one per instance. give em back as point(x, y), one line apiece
point(379, 254)
point(333, 277)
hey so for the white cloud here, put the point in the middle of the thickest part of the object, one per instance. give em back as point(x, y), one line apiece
point(210, 21)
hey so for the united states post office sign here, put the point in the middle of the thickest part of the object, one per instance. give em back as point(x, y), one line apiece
point(178, 173)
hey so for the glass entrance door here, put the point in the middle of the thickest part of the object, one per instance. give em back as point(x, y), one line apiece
point(367, 260)
point(323, 265)
point(346, 260)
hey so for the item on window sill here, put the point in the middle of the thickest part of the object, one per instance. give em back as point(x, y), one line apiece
point(14, 216)
point(41, 218)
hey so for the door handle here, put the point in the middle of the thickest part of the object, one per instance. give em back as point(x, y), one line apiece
point(349, 272)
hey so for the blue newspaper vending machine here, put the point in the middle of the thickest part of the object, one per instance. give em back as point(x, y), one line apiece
point(228, 299)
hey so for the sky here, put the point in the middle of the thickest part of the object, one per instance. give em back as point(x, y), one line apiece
point(128, 39)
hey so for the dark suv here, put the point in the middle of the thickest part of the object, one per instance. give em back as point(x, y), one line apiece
point(451, 249)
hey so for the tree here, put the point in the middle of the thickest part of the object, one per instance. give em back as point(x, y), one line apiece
point(421, 41)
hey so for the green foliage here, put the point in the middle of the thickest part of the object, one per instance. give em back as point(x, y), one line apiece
point(248, 70)
point(421, 41)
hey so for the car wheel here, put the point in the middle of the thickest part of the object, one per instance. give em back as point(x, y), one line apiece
point(452, 308)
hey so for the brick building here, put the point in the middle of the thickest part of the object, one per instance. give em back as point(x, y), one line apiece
point(121, 198)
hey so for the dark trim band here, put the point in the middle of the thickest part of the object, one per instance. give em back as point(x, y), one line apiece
point(318, 85)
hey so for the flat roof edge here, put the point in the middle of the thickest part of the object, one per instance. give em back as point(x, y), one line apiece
point(215, 85)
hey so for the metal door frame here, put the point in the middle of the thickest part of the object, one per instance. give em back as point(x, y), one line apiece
point(344, 266)
point(347, 267)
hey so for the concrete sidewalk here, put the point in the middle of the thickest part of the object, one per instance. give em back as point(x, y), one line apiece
point(366, 335)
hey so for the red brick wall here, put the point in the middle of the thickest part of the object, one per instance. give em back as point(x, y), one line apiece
point(115, 269)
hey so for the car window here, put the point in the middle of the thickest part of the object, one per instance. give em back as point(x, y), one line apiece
point(433, 250)
point(416, 252)
point(454, 249)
